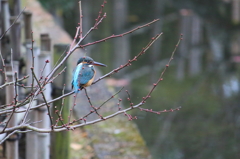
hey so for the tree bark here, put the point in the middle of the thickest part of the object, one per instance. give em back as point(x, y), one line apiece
point(121, 45)
point(158, 7)
point(184, 47)
point(195, 62)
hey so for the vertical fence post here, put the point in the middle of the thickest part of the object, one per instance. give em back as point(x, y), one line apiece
point(5, 15)
point(44, 138)
point(31, 137)
point(27, 26)
point(61, 140)
point(12, 143)
point(15, 38)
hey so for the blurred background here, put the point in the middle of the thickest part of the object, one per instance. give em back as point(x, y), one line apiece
point(203, 78)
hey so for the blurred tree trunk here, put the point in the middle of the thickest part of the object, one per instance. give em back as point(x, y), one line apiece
point(157, 28)
point(121, 45)
point(195, 62)
point(103, 52)
point(236, 11)
point(235, 42)
point(163, 133)
point(235, 47)
point(217, 41)
point(184, 47)
point(87, 17)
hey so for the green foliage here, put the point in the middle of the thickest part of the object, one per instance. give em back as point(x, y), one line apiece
point(201, 129)
point(214, 11)
point(64, 5)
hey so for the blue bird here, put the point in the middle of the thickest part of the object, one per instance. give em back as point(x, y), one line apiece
point(84, 73)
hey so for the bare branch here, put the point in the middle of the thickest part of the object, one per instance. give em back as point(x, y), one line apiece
point(120, 35)
point(161, 76)
point(9, 135)
point(130, 61)
point(80, 19)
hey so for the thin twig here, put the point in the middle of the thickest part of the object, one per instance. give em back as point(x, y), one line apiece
point(110, 98)
point(41, 72)
point(85, 116)
point(74, 39)
point(91, 105)
point(44, 98)
point(71, 110)
point(14, 74)
point(4, 66)
point(37, 106)
point(16, 91)
point(32, 59)
point(80, 19)
point(129, 99)
point(8, 120)
point(130, 61)
point(62, 99)
point(59, 113)
point(13, 82)
point(64, 52)
point(119, 35)
point(59, 118)
point(28, 108)
point(160, 78)
point(9, 135)
point(58, 74)
point(100, 14)
point(158, 112)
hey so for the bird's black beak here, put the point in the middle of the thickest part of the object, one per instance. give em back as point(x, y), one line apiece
point(98, 64)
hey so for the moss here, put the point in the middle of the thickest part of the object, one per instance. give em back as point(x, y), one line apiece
point(121, 136)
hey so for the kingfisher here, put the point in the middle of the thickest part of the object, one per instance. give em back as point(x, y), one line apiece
point(84, 73)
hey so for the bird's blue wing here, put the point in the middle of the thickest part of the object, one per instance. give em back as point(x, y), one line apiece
point(86, 75)
point(76, 73)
